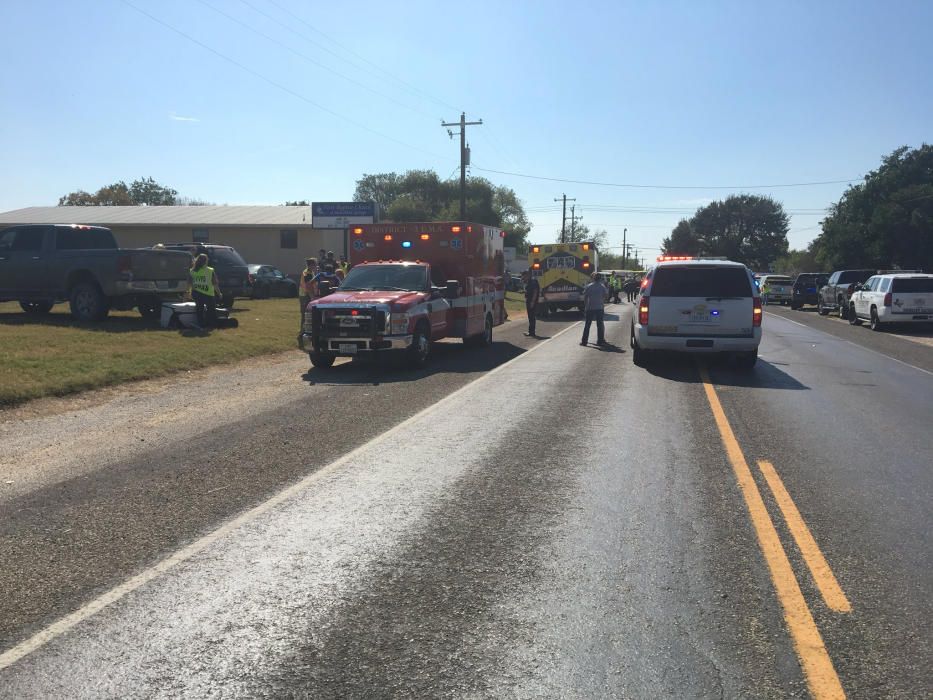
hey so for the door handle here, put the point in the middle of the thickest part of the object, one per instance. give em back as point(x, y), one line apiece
point(36, 257)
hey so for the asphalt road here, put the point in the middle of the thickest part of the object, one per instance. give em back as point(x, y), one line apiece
point(552, 523)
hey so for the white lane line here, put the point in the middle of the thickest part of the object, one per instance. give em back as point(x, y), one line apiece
point(88, 610)
point(855, 345)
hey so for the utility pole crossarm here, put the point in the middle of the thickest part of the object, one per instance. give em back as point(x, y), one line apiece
point(463, 124)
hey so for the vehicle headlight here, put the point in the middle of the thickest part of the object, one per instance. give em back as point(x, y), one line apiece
point(398, 324)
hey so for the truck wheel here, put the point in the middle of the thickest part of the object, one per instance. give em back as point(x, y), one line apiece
point(420, 348)
point(322, 359)
point(36, 308)
point(88, 303)
point(484, 339)
point(820, 309)
point(149, 309)
point(854, 320)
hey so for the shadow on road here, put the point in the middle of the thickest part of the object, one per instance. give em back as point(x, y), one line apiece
point(112, 324)
point(723, 371)
point(446, 357)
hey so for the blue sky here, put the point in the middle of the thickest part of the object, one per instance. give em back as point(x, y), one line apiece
point(687, 94)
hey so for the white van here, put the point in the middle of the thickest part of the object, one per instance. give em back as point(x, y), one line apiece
point(698, 306)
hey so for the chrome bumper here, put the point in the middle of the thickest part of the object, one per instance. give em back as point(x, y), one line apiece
point(389, 342)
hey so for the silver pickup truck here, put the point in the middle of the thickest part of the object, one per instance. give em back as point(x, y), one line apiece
point(41, 265)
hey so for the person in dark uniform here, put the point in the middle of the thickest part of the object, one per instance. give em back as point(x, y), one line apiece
point(532, 293)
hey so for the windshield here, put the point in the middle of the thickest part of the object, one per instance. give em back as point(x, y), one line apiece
point(701, 282)
point(387, 277)
point(917, 285)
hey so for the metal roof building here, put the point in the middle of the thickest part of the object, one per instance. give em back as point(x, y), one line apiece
point(272, 235)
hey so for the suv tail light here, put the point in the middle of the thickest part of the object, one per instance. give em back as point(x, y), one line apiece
point(643, 311)
point(887, 299)
point(756, 313)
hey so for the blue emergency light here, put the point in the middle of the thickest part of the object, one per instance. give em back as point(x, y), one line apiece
point(406, 244)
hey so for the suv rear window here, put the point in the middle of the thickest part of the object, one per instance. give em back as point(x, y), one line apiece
point(913, 286)
point(226, 256)
point(84, 239)
point(700, 282)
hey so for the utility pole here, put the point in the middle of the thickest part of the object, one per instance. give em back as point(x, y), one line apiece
point(624, 247)
point(573, 221)
point(563, 218)
point(464, 156)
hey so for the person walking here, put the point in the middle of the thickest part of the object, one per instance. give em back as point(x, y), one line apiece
point(204, 290)
point(307, 287)
point(594, 298)
point(532, 294)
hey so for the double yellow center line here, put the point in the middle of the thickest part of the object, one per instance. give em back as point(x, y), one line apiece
point(821, 676)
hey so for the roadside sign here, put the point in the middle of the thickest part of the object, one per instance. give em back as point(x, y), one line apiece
point(342, 214)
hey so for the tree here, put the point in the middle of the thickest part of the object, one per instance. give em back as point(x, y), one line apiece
point(797, 261)
point(298, 203)
point(420, 195)
point(747, 228)
point(682, 241)
point(144, 191)
point(149, 192)
point(886, 221)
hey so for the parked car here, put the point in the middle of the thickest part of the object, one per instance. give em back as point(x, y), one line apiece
point(231, 268)
point(267, 281)
point(892, 298)
point(834, 295)
point(806, 289)
point(41, 265)
point(698, 306)
point(780, 287)
point(516, 284)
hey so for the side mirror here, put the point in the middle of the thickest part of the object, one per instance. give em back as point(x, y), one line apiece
point(452, 290)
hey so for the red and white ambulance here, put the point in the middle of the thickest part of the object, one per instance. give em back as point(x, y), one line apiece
point(410, 285)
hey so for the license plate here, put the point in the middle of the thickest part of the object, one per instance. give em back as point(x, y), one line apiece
point(697, 317)
point(349, 348)
point(349, 321)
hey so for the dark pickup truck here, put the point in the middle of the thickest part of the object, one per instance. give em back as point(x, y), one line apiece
point(834, 295)
point(41, 265)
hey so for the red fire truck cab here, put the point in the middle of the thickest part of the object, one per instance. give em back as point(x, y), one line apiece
point(410, 284)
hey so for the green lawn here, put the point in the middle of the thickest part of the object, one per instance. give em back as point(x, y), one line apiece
point(54, 355)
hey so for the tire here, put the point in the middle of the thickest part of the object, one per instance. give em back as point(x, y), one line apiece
point(854, 320)
point(420, 349)
point(820, 309)
point(227, 301)
point(874, 322)
point(639, 356)
point(322, 360)
point(795, 307)
point(36, 308)
point(552, 309)
point(149, 309)
point(88, 302)
point(747, 360)
point(292, 292)
point(484, 339)
point(843, 310)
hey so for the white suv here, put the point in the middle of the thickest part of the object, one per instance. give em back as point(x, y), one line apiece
point(892, 298)
point(702, 306)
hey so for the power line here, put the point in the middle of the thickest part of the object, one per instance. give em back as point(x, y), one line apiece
point(276, 84)
point(313, 61)
point(349, 51)
point(664, 187)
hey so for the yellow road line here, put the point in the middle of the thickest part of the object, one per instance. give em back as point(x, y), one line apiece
point(819, 568)
point(808, 643)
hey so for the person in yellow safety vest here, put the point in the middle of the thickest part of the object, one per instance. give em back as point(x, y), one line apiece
point(344, 265)
point(204, 290)
point(307, 286)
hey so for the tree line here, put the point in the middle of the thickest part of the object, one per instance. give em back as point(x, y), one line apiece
point(885, 221)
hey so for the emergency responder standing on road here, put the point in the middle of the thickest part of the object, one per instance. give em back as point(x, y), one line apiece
point(594, 297)
point(204, 290)
point(532, 293)
point(307, 286)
